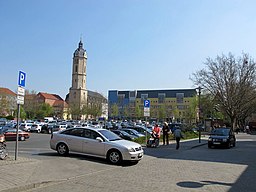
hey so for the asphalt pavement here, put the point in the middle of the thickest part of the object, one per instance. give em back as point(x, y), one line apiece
point(28, 173)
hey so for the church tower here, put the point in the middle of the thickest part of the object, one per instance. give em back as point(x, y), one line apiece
point(78, 92)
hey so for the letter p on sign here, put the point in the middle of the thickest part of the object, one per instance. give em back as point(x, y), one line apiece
point(22, 79)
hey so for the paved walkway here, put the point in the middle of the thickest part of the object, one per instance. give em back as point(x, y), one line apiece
point(28, 173)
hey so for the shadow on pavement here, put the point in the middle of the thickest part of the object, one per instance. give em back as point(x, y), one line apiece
point(85, 157)
point(192, 184)
point(246, 155)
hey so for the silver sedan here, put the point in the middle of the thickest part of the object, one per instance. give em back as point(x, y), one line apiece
point(96, 142)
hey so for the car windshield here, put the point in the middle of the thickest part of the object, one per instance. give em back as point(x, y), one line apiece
point(221, 132)
point(110, 135)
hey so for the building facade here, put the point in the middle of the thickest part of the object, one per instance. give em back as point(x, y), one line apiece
point(174, 105)
point(56, 102)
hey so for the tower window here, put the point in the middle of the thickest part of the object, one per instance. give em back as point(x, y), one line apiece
point(76, 69)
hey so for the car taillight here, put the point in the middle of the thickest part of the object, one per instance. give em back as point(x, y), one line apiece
point(2, 138)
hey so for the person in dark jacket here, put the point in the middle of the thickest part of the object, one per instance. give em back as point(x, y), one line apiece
point(166, 131)
point(177, 135)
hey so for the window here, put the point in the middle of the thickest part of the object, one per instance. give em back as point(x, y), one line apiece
point(143, 97)
point(91, 134)
point(121, 98)
point(179, 97)
point(161, 97)
point(74, 132)
point(180, 107)
point(76, 68)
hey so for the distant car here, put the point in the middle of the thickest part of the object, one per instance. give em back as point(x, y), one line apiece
point(143, 130)
point(96, 142)
point(36, 128)
point(10, 135)
point(222, 137)
point(124, 135)
point(56, 128)
point(25, 126)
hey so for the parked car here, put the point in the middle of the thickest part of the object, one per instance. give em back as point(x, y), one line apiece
point(56, 128)
point(222, 137)
point(143, 130)
point(25, 126)
point(124, 135)
point(10, 135)
point(133, 132)
point(96, 142)
point(36, 128)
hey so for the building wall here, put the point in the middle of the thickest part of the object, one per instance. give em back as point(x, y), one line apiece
point(174, 103)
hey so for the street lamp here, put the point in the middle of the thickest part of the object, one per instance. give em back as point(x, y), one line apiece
point(199, 112)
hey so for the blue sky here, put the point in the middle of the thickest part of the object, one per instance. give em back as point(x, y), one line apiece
point(131, 44)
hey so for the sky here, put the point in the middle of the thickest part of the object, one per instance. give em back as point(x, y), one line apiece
point(130, 44)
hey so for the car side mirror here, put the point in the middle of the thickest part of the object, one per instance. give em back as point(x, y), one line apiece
point(99, 139)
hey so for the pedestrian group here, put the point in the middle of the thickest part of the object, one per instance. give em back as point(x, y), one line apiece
point(177, 133)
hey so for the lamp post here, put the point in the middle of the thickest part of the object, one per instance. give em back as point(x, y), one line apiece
point(199, 113)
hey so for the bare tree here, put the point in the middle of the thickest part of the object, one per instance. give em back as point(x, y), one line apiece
point(231, 81)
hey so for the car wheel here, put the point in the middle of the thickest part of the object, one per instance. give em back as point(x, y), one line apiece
point(229, 145)
point(22, 138)
point(234, 144)
point(114, 157)
point(3, 154)
point(62, 149)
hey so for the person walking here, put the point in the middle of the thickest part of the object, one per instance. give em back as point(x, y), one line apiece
point(177, 134)
point(166, 131)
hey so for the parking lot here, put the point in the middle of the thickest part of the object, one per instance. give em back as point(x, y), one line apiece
point(163, 169)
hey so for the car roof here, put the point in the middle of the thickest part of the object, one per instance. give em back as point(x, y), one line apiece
point(91, 128)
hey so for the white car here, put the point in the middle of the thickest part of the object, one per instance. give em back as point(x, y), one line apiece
point(96, 142)
point(36, 128)
point(25, 126)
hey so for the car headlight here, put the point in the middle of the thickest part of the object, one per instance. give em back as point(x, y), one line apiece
point(131, 150)
point(209, 139)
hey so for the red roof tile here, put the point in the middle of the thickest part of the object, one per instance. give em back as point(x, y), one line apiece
point(50, 96)
point(6, 91)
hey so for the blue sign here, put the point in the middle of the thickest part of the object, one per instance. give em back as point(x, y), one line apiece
point(146, 103)
point(22, 79)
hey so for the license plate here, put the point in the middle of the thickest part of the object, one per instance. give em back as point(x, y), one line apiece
point(216, 143)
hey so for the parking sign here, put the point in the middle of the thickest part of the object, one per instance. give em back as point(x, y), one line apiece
point(22, 79)
point(146, 103)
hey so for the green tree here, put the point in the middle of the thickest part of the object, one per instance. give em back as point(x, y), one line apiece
point(95, 109)
point(4, 106)
point(126, 111)
point(162, 112)
point(231, 81)
point(75, 111)
point(31, 105)
point(44, 110)
point(114, 111)
point(138, 112)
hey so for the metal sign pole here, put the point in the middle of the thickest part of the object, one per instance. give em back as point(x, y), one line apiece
point(17, 133)
point(146, 131)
